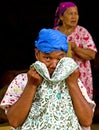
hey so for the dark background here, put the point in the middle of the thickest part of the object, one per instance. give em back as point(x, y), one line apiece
point(21, 21)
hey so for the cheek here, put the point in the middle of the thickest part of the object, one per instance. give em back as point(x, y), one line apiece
point(45, 62)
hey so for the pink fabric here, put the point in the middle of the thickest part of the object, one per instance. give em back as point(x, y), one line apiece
point(83, 39)
point(63, 6)
point(14, 91)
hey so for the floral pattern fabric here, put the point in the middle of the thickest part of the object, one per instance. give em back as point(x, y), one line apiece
point(52, 108)
point(82, 38)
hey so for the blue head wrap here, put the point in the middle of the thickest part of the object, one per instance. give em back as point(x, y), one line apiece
point(51, 40)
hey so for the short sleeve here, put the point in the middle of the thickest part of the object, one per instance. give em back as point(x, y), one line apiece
point(14, 91)
point(87, 39)
point(84, 93)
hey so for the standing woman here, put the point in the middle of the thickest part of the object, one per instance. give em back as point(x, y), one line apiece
point(80, 41)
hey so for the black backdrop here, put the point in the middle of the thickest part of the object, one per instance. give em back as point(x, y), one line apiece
point(21, 21)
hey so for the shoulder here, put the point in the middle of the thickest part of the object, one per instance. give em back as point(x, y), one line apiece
point(14, 91)
point(19, 80)
point(82, 31)
point(81, 28)
point(21, 76)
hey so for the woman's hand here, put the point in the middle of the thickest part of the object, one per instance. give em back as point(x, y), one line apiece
point(33, 77)
point(73, 78)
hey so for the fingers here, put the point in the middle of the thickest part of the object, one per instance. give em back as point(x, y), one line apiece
point(33, 77)
point(33, 70)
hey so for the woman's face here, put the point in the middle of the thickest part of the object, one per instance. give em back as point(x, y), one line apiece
point(70, 17)
point(51, 59)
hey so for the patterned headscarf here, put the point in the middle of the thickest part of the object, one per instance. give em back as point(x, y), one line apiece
point(63, 6)
point(51, 40)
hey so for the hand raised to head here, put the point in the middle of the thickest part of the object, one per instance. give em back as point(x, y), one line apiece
point(33, 77)
point(73, 78)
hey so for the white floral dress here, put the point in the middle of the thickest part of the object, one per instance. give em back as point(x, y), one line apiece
point(52, 108)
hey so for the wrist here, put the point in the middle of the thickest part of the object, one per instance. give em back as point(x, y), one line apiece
point(32, 86)
point(75, 47)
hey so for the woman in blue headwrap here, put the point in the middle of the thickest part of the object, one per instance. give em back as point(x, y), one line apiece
point(81, 44)
point(50, 95)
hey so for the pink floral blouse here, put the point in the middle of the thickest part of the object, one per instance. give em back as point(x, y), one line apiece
point(82, 38)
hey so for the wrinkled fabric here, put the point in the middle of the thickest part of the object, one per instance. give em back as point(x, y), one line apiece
point(52, 108)
point(63, 6)
point(51, 40)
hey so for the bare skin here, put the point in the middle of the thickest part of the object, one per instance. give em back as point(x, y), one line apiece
point(82, 53)
point(81, 106)
point(20, 114)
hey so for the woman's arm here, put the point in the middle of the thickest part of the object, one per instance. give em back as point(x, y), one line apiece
point(18, 112)
point(82, 108)
point(84, 53)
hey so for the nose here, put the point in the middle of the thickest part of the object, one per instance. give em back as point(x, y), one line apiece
point(53, 64)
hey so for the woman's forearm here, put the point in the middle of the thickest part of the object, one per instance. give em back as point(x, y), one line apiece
point(82, 108)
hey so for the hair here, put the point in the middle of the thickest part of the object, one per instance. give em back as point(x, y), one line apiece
point(62, 7)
